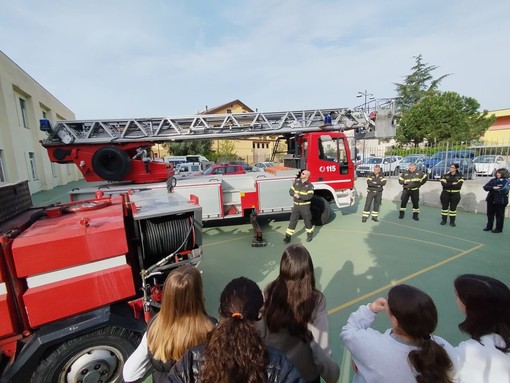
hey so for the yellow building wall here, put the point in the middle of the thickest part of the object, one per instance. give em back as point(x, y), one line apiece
point(23, 102)
point(499, 132)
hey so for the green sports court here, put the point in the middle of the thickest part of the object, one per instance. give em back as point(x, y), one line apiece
point(356, 262)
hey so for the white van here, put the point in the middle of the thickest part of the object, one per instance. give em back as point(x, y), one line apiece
point(188, 169)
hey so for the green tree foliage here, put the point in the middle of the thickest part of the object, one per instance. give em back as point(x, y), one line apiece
point(417, 84)
point(202, 147)
point(226, 151)
point(429, 114)
point(443, 116)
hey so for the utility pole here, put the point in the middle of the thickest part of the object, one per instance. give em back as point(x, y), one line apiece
point(368, 97)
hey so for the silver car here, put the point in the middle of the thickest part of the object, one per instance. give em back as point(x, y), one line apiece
point(418, 159)
point(261, 166)
point(488, 164)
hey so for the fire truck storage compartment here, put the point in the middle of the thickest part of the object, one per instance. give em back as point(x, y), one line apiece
point(166, 224)
point(273, 195)
point(73, 263)
point(208, 191)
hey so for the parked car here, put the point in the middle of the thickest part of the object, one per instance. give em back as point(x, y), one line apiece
point(188, 169)
point(388, 164)
point(466, 168)
point(488, 164)
point(262, 166)
point(224, 169)
point(246, 167)
point(418, 159)
point(439, 156)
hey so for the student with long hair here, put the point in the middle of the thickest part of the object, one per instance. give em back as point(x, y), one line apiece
point(408, 352)
point(235, 352)
point(295, 317)
point(485, 301)
point(181, 324)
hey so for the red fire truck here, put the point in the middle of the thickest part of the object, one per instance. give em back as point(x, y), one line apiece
point(312, 139)
point(77, 278)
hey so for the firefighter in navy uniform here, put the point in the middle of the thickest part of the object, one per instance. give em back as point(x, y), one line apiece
point(375, 182)
point(450, 196)
point(411, 180)
point(302, 192)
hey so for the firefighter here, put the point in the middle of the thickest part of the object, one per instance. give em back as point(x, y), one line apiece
point(375, 182)
point(450, 196)
point(302, 192)
point(411, 181)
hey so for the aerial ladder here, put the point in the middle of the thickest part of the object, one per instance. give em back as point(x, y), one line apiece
point(116, 149)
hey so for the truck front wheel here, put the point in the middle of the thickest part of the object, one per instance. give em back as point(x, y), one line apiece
point(320, 211)
point(98, 356)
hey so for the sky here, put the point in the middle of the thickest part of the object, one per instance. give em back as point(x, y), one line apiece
point(159, 58)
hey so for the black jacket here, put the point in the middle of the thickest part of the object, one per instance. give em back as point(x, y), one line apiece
point(498, 196)
point(376, 183)
point(412, 180)
point(452, 182)
point(279, 368)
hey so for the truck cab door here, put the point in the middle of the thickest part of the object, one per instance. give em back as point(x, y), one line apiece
point(328, 158)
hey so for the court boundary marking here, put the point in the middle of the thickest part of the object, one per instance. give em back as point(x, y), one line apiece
point(403, 279)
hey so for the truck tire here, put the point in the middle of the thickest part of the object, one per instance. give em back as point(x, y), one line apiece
point(320, 211)
point(111, 163)
point(93, 357)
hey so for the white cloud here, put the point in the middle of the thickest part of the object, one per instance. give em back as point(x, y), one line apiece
point(139, 58)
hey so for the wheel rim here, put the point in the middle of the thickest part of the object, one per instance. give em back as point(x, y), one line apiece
point(93, 365)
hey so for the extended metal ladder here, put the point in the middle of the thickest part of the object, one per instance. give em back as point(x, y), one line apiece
point(201, 126)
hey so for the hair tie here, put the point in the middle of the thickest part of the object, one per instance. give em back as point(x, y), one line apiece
point(237, 315)
point(426, 337)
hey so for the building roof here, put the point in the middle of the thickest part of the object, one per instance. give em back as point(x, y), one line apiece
point(220, 108)
point(500, 112)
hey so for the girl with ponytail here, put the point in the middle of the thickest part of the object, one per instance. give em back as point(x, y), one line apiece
point(408, 352)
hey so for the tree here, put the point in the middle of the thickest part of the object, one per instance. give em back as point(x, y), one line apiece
point(226, 151)
point(417, 84)
point(441, 117)
point(429, 114)
point(202, 147)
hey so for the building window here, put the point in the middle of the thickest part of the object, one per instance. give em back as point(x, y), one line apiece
point(24, 115)
point(2, 171)
point(44, 114)
point(31, 159)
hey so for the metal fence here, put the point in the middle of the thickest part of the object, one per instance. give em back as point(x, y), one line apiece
point(376, 148)
point(482, 157)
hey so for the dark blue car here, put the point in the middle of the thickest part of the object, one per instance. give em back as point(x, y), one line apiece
point(466, 168)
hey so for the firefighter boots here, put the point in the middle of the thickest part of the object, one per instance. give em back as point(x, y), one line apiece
point(415, 217)
point(309, 237)
point(443, 220)
point(375, 219)
point(401, 215)
point(452, 222)
point(286, 239)
point(364, 219)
